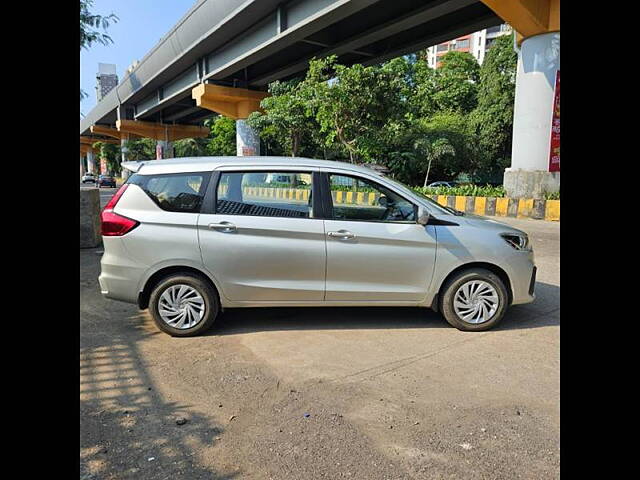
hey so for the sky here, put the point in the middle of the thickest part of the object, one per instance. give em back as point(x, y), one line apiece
point(140, 26)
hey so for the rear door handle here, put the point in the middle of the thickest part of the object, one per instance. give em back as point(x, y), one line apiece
point(225, 227)
point(342, 234)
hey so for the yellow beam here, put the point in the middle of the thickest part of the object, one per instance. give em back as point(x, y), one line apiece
point(91, 140)
point(107, 131)
point(159, 131)
point(112, 132)
point(528, 17)
point(235, 103)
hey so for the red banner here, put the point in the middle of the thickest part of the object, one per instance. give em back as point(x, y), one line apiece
point(554, 153)
point(103, 166)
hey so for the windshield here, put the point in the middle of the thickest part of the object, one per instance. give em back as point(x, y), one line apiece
point(432, 203)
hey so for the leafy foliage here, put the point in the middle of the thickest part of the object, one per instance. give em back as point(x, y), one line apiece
point(453, 87)
point(222, 140)
point(423, 124)
point(491, 123)
point(191, 147)
point(112, 153)
point(91, 24)
point(354, 106)
point(464, 190)
point(287, 123)
point(140, 149)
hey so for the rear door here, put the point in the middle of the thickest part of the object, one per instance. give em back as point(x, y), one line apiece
point(375, 249)
point(259, 235)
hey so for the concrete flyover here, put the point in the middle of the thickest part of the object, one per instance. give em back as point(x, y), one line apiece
point(222, 54)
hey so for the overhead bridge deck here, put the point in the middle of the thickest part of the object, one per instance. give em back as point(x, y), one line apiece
point(249, 44)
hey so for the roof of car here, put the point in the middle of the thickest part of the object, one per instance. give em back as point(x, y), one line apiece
point(199, 164)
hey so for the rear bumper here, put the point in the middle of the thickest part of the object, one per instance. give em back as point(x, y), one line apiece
point(120, 276)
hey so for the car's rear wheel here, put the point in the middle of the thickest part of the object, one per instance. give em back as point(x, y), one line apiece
point(183, 305)
point(474, 300)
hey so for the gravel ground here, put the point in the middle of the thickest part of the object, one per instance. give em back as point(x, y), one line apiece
point(366, 393)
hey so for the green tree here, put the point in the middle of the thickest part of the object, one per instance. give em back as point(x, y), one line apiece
point(111, 152)
point(223, 137)
point(451, 149)
point(452, 87)
point(432, 148)
point(435, 150)
point(140, 149)
point(492, 121)
point(90, 26)
point(286, 120)
point(191, 147)
point(354, 106)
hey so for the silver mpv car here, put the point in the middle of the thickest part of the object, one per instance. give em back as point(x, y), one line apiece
point(189, 237)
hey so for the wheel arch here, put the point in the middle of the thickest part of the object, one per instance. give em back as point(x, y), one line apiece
point(492, 267)
point(157, 276)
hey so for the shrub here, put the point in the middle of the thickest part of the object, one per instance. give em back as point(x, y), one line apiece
point(464, 190)
point(552, 196)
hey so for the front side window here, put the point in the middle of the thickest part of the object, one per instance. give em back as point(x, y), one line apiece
point(180, 192)
point(265, 194)
point(356, 198)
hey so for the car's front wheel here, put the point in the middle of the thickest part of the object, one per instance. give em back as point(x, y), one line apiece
point(474, 300)
point(183, 305)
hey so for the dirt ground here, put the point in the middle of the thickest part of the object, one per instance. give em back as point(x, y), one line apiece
point(323, 393)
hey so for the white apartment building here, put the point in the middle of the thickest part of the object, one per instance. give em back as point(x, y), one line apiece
point(476, 43)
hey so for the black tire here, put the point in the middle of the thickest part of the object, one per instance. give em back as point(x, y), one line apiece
point(454, 283)
point(209, 295)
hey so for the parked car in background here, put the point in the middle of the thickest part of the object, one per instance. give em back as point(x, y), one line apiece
point(188, 237)
point(106, 181)
point(448, 184)
point(88, 178)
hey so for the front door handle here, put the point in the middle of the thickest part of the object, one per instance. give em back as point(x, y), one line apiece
point(342, 234)
point(225, 227)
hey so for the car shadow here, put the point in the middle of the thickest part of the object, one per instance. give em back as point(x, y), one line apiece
point(544, 311)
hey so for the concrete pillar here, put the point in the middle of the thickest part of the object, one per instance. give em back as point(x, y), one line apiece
point(90, 235)
point(538, 62)
point(164, 149)
point(247, 140)
point(124, 173)
point(90, 163)
point(102, 165)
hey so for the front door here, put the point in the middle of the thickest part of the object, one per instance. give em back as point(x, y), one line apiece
point(262, 243)
point(375, 249)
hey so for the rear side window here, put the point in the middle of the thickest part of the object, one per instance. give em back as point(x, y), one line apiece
point(265, 194)
point(177, 192)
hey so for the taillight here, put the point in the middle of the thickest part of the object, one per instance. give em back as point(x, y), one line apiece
point(114, 225)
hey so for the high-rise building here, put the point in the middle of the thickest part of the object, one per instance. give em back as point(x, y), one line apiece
point(106, 79)
point(476, 43)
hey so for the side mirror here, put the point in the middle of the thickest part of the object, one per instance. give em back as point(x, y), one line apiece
point(422, 216)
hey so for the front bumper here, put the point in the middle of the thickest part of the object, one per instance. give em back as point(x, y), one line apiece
point(522, 273)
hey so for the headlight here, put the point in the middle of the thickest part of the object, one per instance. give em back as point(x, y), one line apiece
point(519, 241)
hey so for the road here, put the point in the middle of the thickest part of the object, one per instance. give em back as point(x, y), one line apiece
point(390, 393)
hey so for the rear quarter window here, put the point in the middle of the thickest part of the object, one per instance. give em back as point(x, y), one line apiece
point(177, 192)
